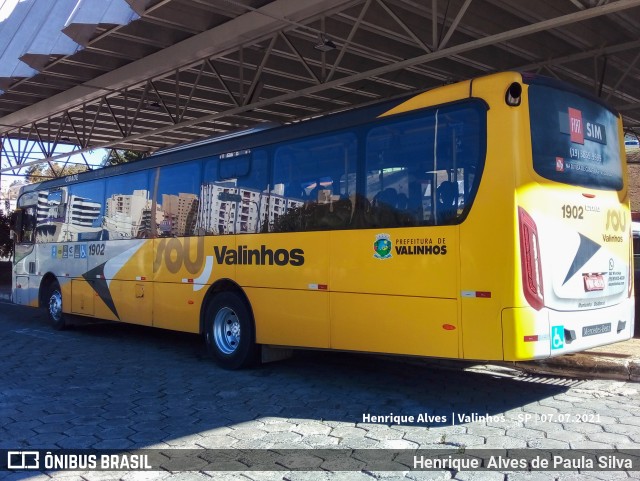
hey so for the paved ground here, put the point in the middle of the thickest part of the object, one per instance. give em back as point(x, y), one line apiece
point(122, 387)
point(620, 361)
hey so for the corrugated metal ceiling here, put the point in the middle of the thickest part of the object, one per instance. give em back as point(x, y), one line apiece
point(146, 74)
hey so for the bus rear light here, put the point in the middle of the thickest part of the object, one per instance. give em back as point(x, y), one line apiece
point(531, 338)
point(530, 260)
point(448, 327)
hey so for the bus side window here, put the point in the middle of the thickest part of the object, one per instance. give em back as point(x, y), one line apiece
point(128, 207)
point(398, 158)
point(27, 225)
point(85, 206)
point(254, 194)
point(314, 184)
point(447, 202)
point(177, 200)
point(51, 215)
point(234, 194)
point(413, 157)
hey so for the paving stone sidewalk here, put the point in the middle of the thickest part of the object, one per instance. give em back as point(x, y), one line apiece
point(124, 387)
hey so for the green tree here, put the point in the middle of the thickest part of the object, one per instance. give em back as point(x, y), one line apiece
point(6, 244)
point(119, 156)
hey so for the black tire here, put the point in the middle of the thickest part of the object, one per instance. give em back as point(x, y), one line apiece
point(230, 331)
point(52, 302)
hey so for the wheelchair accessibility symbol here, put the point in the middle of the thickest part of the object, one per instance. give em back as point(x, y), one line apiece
point(557, 337)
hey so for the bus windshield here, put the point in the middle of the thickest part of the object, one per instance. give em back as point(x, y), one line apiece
point(574, 139)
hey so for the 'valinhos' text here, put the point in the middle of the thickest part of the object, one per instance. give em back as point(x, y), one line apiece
point(421, 250)
point(263, 256)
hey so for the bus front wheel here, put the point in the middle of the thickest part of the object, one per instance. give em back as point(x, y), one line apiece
point(230, 332)
point(53, 304)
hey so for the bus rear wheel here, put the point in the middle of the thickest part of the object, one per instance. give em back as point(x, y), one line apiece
point(230, 332)
point(53, 304)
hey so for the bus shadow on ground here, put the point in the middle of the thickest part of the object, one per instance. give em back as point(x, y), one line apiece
point(124, 386)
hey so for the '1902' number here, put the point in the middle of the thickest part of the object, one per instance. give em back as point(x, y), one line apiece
point(572, 212)
point(96, 249)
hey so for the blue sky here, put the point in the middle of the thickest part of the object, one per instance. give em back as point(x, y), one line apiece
point(34, 153)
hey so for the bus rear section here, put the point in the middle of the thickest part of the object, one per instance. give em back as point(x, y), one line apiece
point(574, 230)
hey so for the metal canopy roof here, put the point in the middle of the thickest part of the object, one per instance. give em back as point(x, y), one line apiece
point(147, 74)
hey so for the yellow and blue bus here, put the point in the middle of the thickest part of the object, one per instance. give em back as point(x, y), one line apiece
point(487, 219)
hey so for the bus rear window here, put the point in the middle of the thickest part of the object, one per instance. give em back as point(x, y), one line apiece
point(574, 140)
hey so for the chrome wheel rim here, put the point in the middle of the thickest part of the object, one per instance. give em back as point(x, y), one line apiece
point(55, 305)
point(226, 330)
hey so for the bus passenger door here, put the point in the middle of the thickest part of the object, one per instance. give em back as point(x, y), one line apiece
point(25, 292)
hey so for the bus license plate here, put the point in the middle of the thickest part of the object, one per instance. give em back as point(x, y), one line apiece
point(593, 282)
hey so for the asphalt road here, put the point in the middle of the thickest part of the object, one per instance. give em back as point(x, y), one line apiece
point(113, 386)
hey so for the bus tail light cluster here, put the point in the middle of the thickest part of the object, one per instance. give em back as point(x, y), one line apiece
point(530, 260)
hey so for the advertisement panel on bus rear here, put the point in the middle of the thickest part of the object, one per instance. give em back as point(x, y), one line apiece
point(574, 140)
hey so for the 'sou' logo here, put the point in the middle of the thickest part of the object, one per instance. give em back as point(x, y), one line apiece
point(175, 254)
point(616, 220)
point(382, 246)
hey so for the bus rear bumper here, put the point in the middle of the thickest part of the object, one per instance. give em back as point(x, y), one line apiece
point(529, 334)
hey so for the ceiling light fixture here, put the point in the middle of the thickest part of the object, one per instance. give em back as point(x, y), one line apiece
point(325, 44)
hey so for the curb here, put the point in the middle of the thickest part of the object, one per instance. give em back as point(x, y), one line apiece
point(592, 365)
